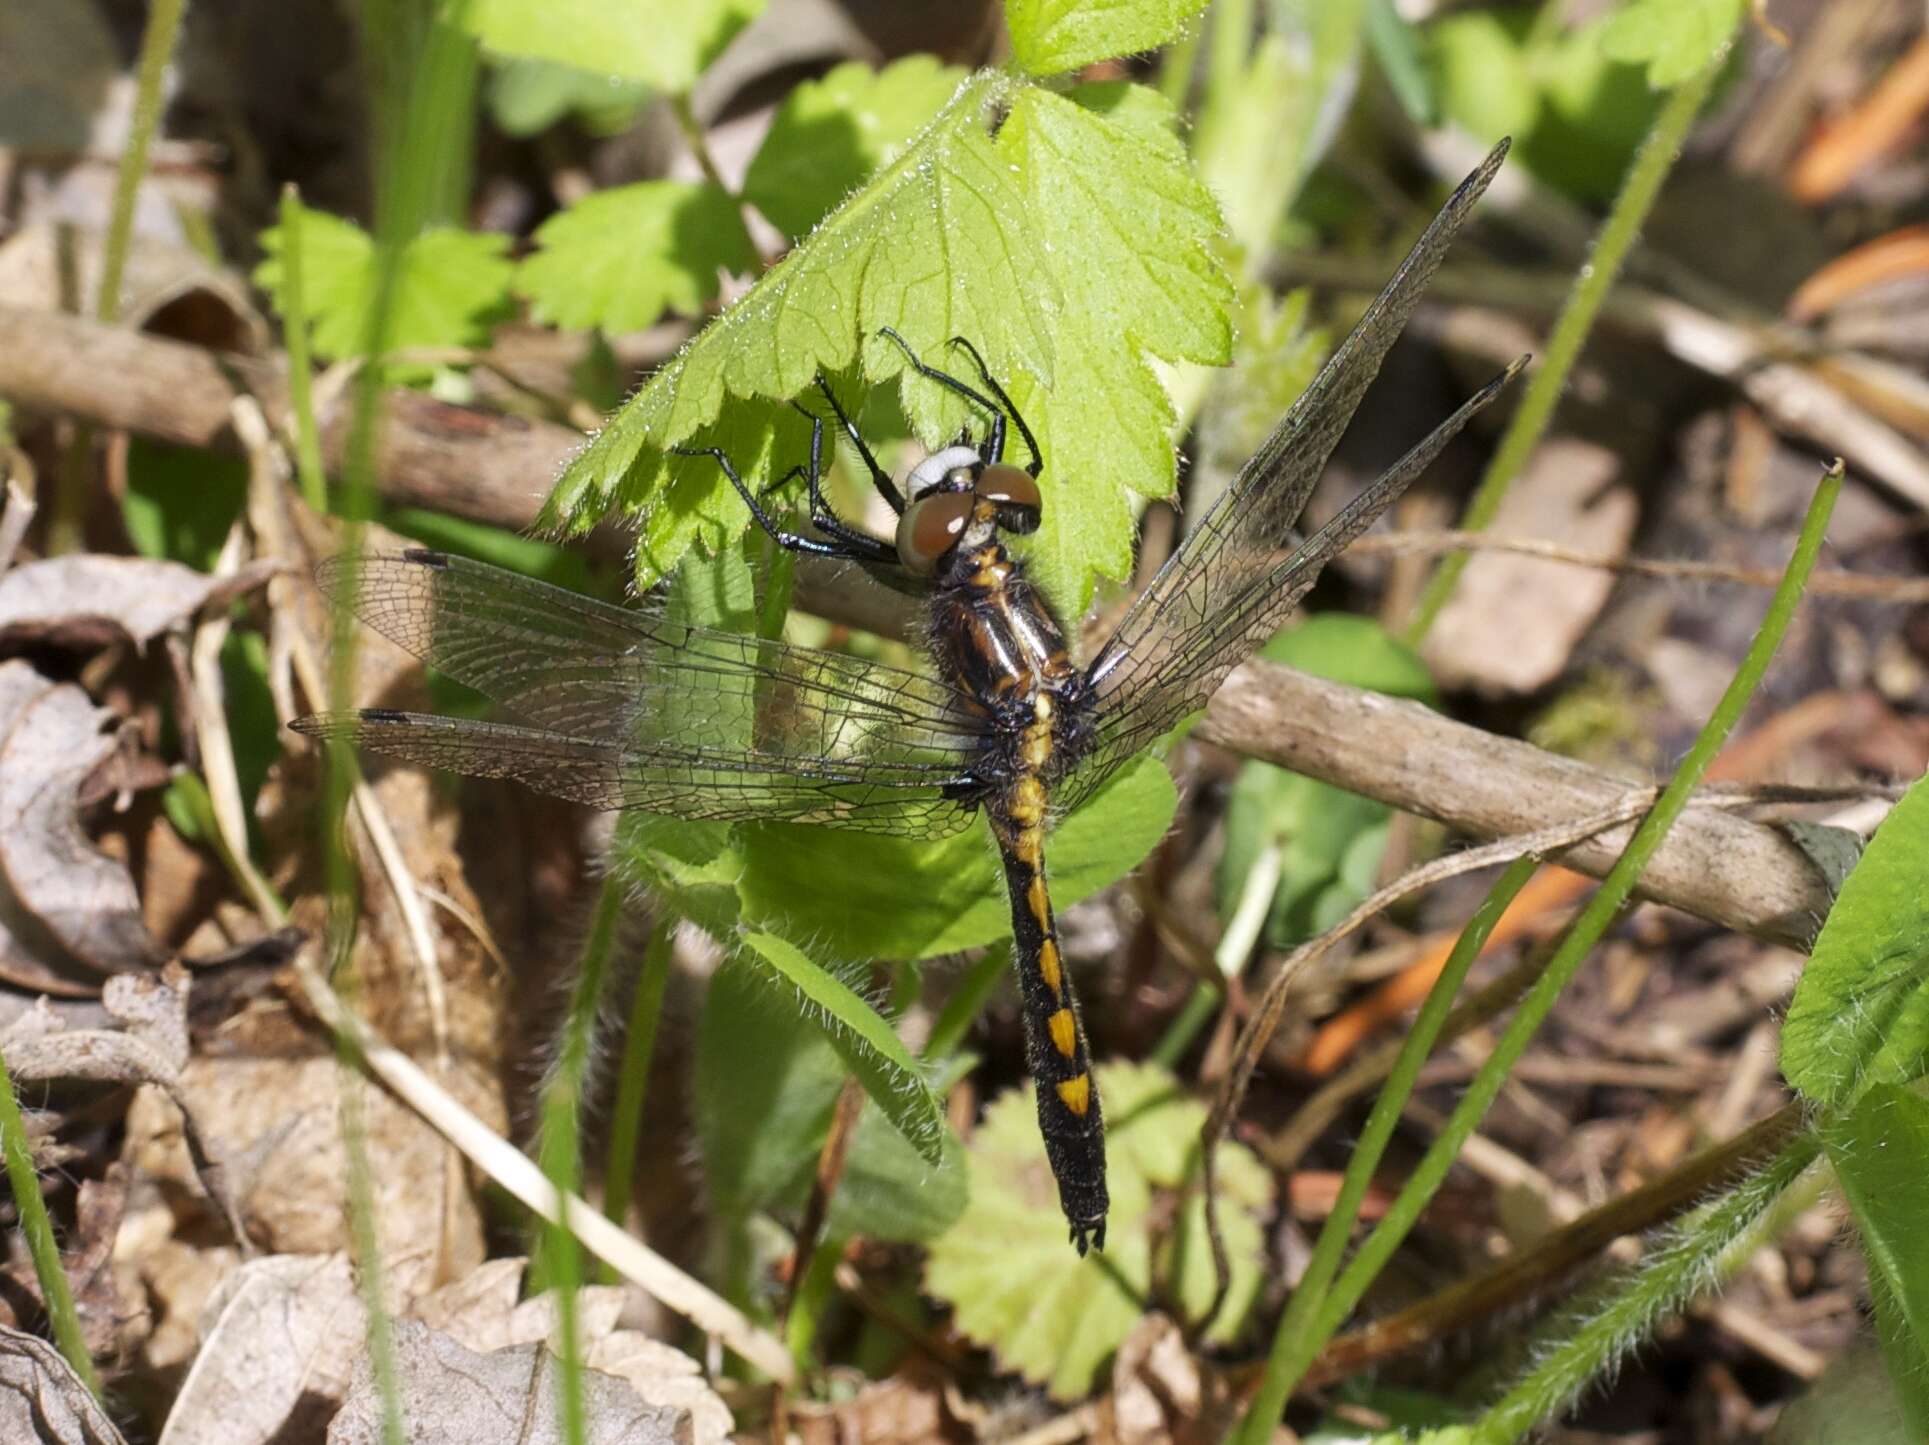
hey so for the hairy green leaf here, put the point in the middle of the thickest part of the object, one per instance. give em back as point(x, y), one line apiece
point(1860, 1014)
point(1049, 37)
point(1014, 1285)
point(666, 45)
point(874, 1054)
point(454, 284)
point(1673, 38)
point(829, 134)
point(618, 259)
point(1880, 1150)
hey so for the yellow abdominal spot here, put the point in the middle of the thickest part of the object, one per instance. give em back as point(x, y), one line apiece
point(1040, 902)
point(1076, 1094)
point(1064, 1032)
point(1048, 966)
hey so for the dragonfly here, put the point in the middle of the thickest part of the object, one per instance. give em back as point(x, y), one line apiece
point(630, 708)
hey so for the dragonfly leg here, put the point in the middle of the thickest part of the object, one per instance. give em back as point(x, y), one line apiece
point(984, 372)
point(880, 478)
point(994, 447)
point(822, 516)
point(848, 548)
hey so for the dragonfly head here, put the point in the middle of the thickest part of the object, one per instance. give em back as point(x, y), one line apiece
point(947, 489)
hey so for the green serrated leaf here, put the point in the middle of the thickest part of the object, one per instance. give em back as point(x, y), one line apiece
point(665, 45)
point(944, 242)
point(1860, 1014)
point(940, 243)
point(1673, 38)
point(874, 1054)
point(454, 285)
point(1880, 1150)
point(1049, 37)
point(829, 134)
point(1133, 257)
point(1014, 1284)
point(618, 259)
point(901, 898)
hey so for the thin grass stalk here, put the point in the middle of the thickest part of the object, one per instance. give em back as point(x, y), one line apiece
point(66, 524)
point(1529, 423)
point(55, 1293)
point(1291, 1357)
point(397, 54)
point(1310, 1293)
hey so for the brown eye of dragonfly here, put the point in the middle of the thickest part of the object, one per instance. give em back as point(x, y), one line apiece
point(1016, 493)
point(929, 528)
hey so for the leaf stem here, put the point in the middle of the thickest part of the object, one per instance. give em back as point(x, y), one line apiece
point(294, 329)
point(693, 137)
point(1616, 238)
point(1292, 1355)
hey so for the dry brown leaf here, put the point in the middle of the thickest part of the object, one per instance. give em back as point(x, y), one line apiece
point(65, 886)
point(452, 1395)
point(278, 1356)
point(1514, 620)
point(483, 1312)
point(89, 600)
point(277, 1124)
point(149, 1045)
point(41, 1399)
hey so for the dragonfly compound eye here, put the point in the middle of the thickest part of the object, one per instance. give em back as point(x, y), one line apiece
point(929, 529)
point(1016, 493)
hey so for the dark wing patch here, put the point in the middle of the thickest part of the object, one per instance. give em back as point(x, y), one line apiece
point(622, 708)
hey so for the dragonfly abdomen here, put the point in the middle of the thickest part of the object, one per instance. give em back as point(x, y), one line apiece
point(1069, 1116)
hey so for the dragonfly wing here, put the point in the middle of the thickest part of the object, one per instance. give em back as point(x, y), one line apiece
point(1227, 588)
point(688, 785)
point(626, 708)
